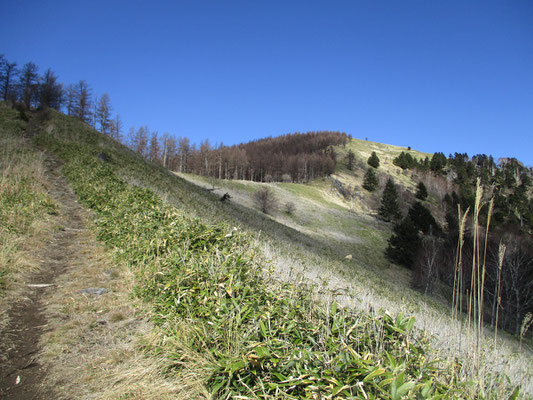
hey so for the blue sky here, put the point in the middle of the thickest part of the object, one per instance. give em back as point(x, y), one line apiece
point(434, 75)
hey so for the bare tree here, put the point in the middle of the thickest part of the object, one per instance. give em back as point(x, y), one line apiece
point(518, 282)
point(350, 157)
point(94, 104)
point(116, 128)
point(427, 263)
point(155, 148)
point(71, 99)
point(184, 150)
point(83, 104)
point(50, 91)
point(8, 71)
point(139, 141)
point(103, 113)
point(28, 84)
point(266, 200)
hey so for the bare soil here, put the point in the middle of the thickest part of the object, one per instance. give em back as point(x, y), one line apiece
point(22, 375)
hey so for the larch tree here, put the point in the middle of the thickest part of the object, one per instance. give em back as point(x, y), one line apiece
point(71, 100)
point(350, 157)
point(103, 113)
point(50, 91)
point(170, 153)
point(28, 84)
point(184, 151)
point(94, 111)
point(389, 210)
point(8, 72)
point(155, 148)
point(164, 151)
point(140, 141)
point(116, 128)
point(83, 102)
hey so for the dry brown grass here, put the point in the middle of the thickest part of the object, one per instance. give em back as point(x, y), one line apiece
point(18, 163)
point(96, 345)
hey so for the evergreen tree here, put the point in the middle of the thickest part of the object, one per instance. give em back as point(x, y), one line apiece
point(405, 161)
point(373, 160)
point(404, 243)
point(370, 181)
point(438, 162)
point(389, 209)
point(350, 159)
point(423, 219)
point(421, 191)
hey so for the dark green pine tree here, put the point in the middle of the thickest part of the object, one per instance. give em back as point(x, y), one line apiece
point(423, 219)
point(421, 191)
point(350, 157)
point(389, 210)
point(438, 162)
point(373, 160)
point(370, 181)
point(404, 243)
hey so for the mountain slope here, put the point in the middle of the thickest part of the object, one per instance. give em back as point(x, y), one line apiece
point(231, 327)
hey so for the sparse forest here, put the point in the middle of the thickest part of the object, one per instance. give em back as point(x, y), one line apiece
point(431, 250)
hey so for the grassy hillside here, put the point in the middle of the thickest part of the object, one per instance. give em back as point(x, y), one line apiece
point(231, 289)
point(24, 203)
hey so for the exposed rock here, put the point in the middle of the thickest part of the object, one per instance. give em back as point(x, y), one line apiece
point(95, 291)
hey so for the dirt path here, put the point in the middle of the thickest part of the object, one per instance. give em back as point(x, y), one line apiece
point(22, 376)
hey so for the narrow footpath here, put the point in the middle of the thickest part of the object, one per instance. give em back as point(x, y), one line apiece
point(22, 376)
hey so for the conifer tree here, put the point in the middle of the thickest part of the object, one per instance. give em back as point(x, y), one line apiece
point(103, 113)
point(373, 160)
point(421, 191)
point(404, 161)
point(423, 219)
point(404, 243)
point(349, 159)
point(50, 91)
point(28, 84)
point(82, 101)
point(370, 181)
point(389, 209)
point(438, 162)
point(116, 128)
point(8, 71)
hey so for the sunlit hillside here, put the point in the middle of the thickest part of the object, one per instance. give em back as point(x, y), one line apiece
point(230, 302)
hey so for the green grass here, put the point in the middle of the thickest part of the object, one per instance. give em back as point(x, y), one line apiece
point(227, 321)
point(24, 203)
point(260, 342)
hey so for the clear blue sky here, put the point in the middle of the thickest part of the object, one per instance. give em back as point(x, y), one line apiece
point(434, 75)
